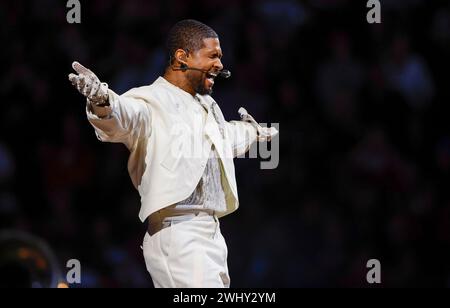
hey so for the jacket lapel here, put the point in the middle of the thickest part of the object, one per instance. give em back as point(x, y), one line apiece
point(212, 128)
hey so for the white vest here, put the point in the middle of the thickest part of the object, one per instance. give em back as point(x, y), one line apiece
point(162, 127)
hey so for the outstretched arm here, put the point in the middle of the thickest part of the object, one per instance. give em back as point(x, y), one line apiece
point(115, 118)
point(247, 131)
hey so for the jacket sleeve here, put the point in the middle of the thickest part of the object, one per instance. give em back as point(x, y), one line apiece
point(127, 119)
point(242, 135)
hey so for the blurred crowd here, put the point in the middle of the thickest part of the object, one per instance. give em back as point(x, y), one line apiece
point(364, 136)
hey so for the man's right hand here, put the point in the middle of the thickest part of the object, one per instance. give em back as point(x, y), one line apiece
point(88, 84)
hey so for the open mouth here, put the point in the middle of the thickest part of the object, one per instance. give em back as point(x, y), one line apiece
point(210, 77)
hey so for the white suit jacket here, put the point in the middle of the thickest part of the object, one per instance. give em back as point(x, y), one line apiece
point(169, 142)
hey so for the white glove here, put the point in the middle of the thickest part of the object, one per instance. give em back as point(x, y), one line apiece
point(264, 133)
point(89, 85)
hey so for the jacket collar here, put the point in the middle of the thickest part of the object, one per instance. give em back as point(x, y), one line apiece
point(199, 98)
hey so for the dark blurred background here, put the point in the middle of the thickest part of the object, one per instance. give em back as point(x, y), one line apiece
point(364, 136)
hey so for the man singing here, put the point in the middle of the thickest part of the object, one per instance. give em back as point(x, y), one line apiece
point(181, 156)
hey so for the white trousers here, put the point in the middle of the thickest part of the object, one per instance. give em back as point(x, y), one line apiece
point(190, 252)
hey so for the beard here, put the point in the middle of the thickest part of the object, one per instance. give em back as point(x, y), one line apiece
point(202, 90)
point(197, 81)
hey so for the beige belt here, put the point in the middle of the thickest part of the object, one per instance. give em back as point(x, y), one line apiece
point(158, 220)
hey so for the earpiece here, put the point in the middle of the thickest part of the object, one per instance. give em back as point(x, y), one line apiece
point(183, 67)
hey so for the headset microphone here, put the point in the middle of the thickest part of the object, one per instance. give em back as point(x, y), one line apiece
point(223, 73)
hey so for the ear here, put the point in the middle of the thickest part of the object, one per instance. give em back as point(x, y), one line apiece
point(181, 56)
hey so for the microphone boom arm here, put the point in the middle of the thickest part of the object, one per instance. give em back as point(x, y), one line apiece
point(223, 73)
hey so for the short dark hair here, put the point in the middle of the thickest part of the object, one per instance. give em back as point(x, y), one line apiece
point(188, 35)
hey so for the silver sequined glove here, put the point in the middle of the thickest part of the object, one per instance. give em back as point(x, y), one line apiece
point(264, 133)
point(88, 84)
